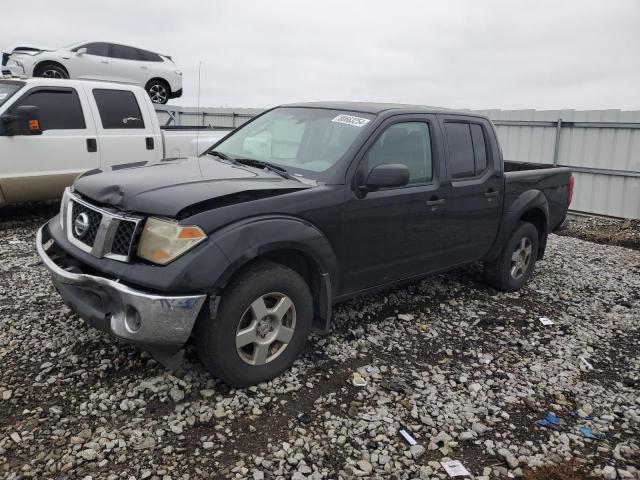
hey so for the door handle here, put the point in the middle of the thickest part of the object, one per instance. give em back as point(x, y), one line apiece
point(491, 193)
point(92, 145)
point(435, 201)
point(104, 61)
point(143, 67)
point(150, 143)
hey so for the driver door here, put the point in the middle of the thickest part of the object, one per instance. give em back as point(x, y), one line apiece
point(95, 64)
point(394, 233)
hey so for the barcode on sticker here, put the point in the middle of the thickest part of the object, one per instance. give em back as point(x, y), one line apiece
point(351, 120)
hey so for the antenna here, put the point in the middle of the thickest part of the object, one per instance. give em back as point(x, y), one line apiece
point(198, 126)
point(198, 129)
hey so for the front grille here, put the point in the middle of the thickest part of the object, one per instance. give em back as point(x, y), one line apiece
point(85, 223)
point(5, 58)
point(101, 232)
point(123, 240)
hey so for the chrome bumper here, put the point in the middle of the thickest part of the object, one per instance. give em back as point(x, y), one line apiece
point(161, 324)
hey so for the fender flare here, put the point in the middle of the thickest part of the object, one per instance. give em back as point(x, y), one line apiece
point(243, 241)
point(525, 202)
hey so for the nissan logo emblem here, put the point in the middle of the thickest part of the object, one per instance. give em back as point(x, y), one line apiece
point(81, 224)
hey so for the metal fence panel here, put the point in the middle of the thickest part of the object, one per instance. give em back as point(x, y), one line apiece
point(602, 147)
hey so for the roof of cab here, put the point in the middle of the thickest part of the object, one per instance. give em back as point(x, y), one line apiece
point(63, 82)
point(378, 108)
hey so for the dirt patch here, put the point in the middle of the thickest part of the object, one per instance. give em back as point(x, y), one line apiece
point(565, 471)
point(606, 231)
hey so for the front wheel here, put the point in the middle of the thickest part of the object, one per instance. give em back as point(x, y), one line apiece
point(51, 71)
point(513, 268)
point(261, 326)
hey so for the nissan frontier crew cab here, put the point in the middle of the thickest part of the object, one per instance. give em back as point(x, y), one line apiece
point(244, 249)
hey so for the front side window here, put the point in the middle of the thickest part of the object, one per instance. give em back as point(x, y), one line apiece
point(99, 49)
point(406, 143)
point(309, 139)
point(59, 109)
point(118, 109)
point(467, 149)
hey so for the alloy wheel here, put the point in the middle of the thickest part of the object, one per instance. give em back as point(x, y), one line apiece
point(158, 93)
point(52, 73)
point(266, 328)
point(521, 257)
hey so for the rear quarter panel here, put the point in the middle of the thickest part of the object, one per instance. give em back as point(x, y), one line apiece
point(552, 182)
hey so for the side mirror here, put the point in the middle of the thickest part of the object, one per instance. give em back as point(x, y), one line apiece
point(25, 120)
point(386, 175)
point(81, 51)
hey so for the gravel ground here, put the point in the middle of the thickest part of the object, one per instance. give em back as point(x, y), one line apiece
point(465, 369)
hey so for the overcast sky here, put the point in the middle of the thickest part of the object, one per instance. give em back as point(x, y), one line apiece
point(580, 54)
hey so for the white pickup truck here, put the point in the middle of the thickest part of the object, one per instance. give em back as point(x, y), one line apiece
point(52, 130)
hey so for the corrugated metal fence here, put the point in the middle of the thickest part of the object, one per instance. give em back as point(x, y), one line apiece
point(601, 146)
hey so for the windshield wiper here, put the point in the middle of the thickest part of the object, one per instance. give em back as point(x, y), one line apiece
point(221, 155)
point(269, 166)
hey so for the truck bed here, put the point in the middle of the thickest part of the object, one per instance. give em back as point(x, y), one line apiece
point(551, 180)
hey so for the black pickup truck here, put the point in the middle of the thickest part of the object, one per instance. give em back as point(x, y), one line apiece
point(246, 248)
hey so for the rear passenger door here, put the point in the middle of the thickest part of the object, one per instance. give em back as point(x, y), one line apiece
point(473, 189)
point(124, 135)
point(39, 167)
point(126, 66)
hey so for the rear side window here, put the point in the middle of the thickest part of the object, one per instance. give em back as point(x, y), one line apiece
point(124, 52)
point(118, 109)
point(467, 149)
point(59, 109)
point(146, 56)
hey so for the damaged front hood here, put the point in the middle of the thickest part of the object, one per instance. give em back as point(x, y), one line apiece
point(167, 188)
point(30, 49)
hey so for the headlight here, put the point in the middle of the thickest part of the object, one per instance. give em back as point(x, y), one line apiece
point(163, 241)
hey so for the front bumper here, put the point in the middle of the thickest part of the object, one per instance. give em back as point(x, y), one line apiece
point(176, 94)
point(158, 323)
point(16, 70)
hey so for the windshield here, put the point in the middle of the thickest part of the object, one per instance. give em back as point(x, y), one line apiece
point(7, 90)
point(308, 139)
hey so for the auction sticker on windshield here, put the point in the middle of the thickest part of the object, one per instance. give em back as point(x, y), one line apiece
point(351, 120)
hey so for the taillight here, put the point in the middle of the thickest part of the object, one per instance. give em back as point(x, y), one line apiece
point(570, 192)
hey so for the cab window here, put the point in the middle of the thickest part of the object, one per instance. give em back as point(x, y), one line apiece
point(59, 109)
point(467, 149)
point(118, 109)
point(408, 143)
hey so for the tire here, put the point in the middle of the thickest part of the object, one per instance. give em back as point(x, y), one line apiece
point(158, 91)
point(51, 70)
point(513, 268)
point(232, 346)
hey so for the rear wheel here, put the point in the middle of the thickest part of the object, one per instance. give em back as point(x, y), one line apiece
point(513, 268)
point(261, 326)
point(158, 91)
point(50, 70)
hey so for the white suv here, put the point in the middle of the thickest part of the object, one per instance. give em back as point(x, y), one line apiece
point(100, 61)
